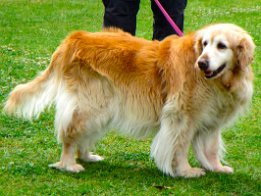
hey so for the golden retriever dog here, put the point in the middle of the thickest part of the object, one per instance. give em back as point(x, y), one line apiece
point(185, 90)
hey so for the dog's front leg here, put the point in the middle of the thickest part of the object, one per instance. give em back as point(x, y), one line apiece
point(208, 147)
point(170, 147)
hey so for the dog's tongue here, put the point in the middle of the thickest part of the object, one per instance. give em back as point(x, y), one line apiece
point(208, 73)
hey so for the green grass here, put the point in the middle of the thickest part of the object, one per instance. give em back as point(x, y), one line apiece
point(31, 30)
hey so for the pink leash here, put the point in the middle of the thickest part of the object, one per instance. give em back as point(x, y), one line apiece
point(171, 22)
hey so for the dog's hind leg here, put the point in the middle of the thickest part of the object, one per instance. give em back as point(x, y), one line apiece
point(86, 143)
point(69, 134)
point(81, 135)
point(95, 127)
point(70, 124)
point(208, 147)
point(85, 155)
point(67, 161)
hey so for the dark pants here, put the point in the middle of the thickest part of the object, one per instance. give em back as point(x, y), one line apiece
point(122, 14)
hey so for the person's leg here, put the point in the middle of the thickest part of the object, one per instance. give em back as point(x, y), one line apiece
point(161, 27)
point(121, 14)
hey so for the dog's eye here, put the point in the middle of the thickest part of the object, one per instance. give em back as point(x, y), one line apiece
point(221, 46)
point(205, 43)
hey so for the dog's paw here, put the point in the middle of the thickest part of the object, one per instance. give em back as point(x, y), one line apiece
point(95, 158)
point(89, 157)
point(192, 172)
point(75, 168)
point(224, 169)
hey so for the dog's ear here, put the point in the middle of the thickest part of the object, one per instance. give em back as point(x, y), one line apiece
point(198, 44)
point(245, 51)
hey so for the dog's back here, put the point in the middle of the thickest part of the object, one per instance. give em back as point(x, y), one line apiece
point(110, 78)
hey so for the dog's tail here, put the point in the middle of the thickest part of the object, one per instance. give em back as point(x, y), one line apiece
point(30, 99)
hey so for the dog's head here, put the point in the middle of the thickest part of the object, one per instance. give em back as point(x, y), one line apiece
point(223, 47)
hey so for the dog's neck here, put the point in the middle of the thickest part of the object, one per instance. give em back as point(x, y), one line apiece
point(177, 67)
point(239, 82)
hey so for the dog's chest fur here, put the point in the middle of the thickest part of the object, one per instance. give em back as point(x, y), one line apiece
point(221, 107)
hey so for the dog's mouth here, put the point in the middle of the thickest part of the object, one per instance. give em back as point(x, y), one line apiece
point(210, 74)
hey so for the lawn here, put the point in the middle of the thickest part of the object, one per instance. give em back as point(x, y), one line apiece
point(31, 30)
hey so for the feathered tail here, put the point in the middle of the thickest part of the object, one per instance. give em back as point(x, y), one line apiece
point(30, 99)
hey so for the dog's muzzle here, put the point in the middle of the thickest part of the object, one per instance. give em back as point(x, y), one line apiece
point(203, 65)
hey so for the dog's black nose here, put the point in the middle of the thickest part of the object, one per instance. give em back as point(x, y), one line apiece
point(203, 64)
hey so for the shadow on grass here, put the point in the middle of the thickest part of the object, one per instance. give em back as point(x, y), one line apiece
point(140, 174)
point(150, 176)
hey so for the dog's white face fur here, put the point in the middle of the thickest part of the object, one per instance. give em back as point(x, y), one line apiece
point(218, 54)
point(220, 46)
point(186, 88)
